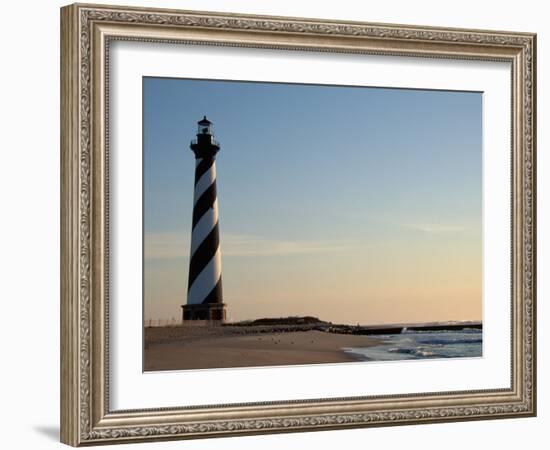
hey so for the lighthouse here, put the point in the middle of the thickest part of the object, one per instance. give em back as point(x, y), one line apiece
point(204, 290)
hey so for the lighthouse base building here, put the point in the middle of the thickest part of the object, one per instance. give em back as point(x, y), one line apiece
point(211, 311)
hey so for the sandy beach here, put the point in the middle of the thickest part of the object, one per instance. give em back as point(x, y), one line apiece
point(177, 348)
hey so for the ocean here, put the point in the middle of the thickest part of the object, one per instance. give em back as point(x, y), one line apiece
point(465, 343)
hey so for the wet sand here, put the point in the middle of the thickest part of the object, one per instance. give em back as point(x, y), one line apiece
point(177, 348)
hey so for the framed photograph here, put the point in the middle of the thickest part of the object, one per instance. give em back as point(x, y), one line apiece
point(366, 190)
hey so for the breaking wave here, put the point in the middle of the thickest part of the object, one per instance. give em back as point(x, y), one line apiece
point(424, 345)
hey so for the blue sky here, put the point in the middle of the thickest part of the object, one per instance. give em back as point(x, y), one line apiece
point(311, 175)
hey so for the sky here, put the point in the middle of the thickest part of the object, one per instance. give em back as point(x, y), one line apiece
point(352, 204)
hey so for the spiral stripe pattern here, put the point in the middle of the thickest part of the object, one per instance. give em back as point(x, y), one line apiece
point(205, 283)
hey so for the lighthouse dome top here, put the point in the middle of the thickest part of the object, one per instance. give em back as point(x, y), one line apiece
point(205, 126)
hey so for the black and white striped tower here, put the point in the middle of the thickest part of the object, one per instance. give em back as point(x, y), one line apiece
point(204, 291)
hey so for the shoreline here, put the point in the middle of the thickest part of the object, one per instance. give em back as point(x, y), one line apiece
point(181, 348)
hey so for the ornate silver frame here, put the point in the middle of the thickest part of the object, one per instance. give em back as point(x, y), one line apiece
point(86, 31)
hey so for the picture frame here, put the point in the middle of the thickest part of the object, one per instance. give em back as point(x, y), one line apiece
point(87, 33)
